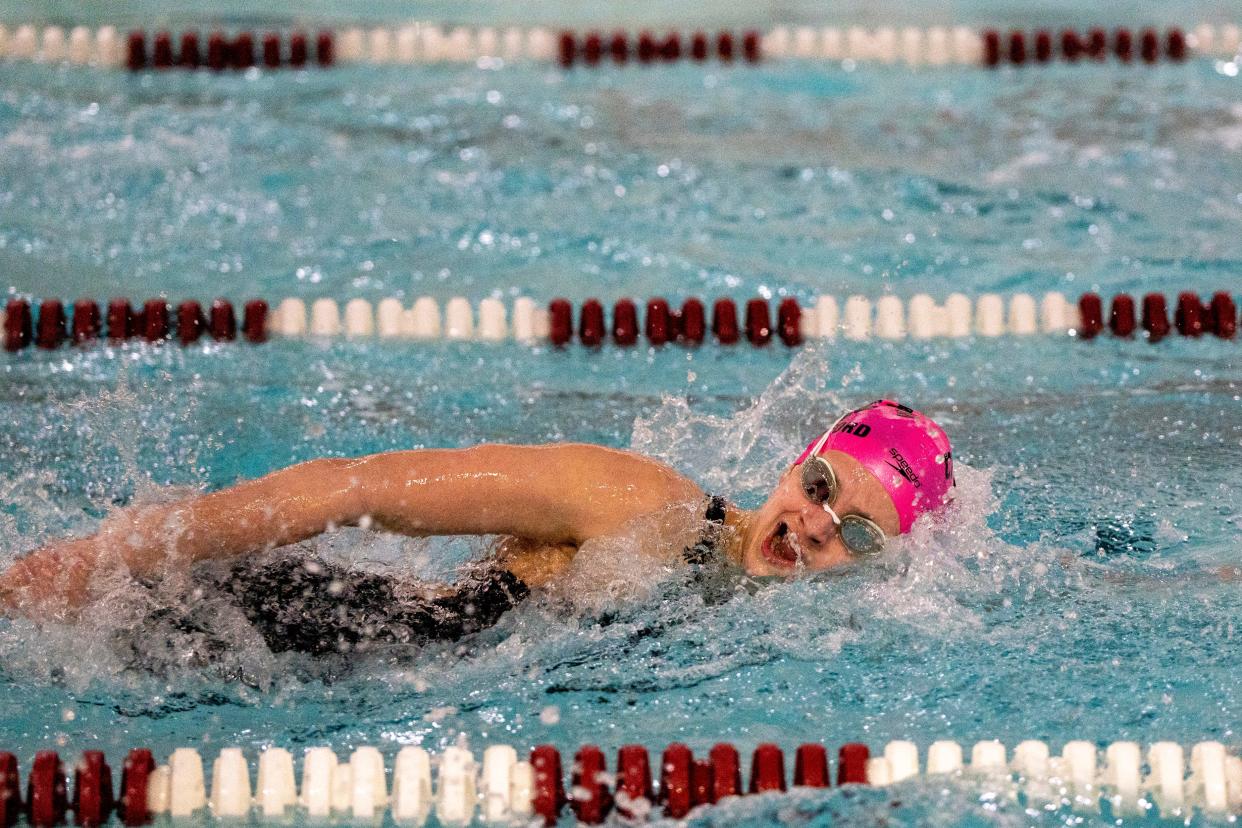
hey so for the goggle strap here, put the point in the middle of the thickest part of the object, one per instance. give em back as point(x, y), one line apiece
point(819, 444)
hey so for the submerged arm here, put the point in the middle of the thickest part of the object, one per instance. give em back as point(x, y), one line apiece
point(555, 494)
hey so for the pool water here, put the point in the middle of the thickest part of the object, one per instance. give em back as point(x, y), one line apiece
point(1082, 589)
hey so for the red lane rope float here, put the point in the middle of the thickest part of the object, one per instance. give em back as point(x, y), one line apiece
point(1149, 46)
point(1189, 315)
point(693, 321)
point(120, 319)
point(51, 329)
point(1123, 45)
point(699, 48)
point(852, 764)
point(1175, 45)
point(726, 771)
point(17, 325)
point(767, 769)
point(811, 766)
point(591, 800)
point(190, 322)
point(1091, 312)
point(646, 47)
point(619, 47)
point(271, 51)
point(1155, 317)
point(297, 50)
point(1121, 319)
point(991, 48)
point(135, 778)
point(222, 323)
point(243, 51)
point(671, 48)
point(1013, 47)
point(634, 791)
point(659, 323)
point(189, 57)
point(86, 321)
point(751, 47)
point(549, 793)
point(46, 800)
point(1071, 46)
point(589, 49)
point(591, 326)
point(625, 323)
point(162, 51)
point(254, 321)
point(1017, 48)
point(92, 790)
point(1224, 315)
point(1097, 45)
point(724, 321)
point(153, 322)
point(10, 791)
point(789, 322)
point(560, 321)
point(676, 783)
point(758, 325)
point(217, 52)
point(223, 53)
point(1043, 47)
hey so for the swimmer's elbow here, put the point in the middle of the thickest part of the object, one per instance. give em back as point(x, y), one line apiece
point(312, 495)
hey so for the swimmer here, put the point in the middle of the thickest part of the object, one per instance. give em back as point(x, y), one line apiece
point(864, 480)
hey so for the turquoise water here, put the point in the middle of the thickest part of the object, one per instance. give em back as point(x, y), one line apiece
point(1077, 594)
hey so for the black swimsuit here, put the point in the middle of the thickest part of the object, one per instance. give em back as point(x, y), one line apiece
point(303, 604)
point(306, 605)
point(704, 549)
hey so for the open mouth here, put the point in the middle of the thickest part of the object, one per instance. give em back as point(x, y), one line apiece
point(780, 549)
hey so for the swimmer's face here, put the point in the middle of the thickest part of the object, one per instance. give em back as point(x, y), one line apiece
point(789, 529)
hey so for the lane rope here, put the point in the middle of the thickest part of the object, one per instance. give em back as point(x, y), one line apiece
point(422, 43)
point(507, 786)
point(48, 325)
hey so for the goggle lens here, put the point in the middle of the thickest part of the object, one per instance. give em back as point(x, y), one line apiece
point(819, 481)
point(861, 536)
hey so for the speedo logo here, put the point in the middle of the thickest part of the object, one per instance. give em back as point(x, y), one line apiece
point(903, 468)
point(857, 429)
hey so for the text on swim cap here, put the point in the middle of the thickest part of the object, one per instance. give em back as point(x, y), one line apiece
point(904, 468)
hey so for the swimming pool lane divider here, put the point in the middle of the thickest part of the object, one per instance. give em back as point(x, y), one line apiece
point(507, 789)
point(423, 43)
point(50, 325)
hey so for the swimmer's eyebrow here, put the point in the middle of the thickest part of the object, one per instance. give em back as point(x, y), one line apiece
point(864, 514)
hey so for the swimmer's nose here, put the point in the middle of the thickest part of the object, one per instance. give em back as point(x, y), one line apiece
point(817, 526)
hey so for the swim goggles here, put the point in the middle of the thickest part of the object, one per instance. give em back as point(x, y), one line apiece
point(861, 535)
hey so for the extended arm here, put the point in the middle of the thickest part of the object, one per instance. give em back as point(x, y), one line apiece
point(554, 494)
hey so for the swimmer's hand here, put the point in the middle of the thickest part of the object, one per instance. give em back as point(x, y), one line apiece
point(50, 584)
point(557, 495)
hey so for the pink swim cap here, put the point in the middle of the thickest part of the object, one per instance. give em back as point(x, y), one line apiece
point(906, 451)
